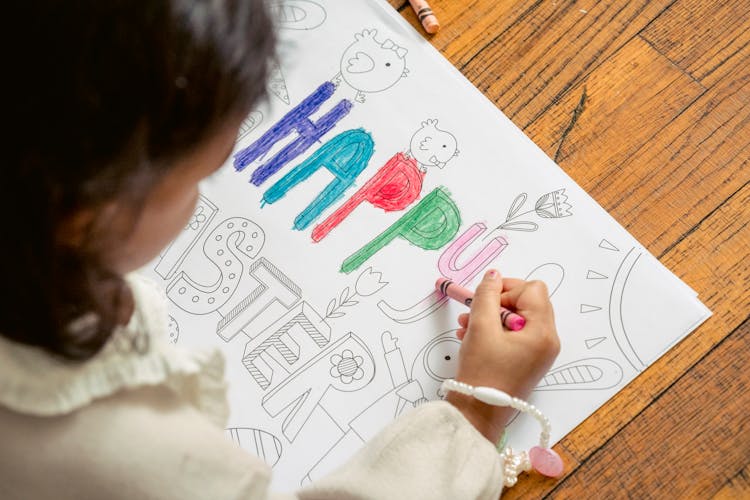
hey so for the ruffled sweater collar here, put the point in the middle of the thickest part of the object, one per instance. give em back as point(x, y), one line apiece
point(35, 383)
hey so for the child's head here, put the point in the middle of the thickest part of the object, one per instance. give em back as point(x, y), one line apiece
point(116, 111)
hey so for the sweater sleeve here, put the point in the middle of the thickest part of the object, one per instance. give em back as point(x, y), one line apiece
point(147, 443)
point(432, 452)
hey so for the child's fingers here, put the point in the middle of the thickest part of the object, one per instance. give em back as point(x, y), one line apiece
point(461, 333)
point(485, 317)
point(511, 283)
point(463, 320)
point(512, 288)
point(531, 300)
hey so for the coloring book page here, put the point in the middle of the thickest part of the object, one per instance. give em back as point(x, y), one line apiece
point(374, 168)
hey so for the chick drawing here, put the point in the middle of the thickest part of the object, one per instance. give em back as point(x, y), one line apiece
point(372, 66)
point(431, 146)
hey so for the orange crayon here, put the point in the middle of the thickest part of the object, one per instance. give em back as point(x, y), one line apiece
point(425, 16)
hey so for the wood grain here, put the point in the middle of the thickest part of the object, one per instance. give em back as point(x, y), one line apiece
point(526, 55)
point(642, 146)
point(646, 104)
point(710, 267)
point(737, 487)
point(700, 36)
point(621, 115)
point(697, 427)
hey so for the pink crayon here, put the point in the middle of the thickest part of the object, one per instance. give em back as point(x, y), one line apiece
point(455, 291)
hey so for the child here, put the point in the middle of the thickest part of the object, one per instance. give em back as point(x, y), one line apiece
point(116, 111)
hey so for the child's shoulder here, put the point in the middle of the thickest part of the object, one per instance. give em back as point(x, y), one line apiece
point(33, 382)
point(141, 443)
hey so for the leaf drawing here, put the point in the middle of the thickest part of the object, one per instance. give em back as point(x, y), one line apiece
point(516, 206)
point(520, 225)
point(344, 295)
point(331, 307)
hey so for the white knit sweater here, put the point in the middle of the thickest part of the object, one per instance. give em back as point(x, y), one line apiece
point(126, 425)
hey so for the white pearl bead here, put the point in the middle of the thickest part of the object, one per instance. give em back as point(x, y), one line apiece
point(512, 464)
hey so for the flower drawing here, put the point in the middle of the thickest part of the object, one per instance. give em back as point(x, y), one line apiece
point(346, 366)
point(553, 205)
point(369, 282)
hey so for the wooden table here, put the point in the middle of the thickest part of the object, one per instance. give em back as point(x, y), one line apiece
point(646, 104)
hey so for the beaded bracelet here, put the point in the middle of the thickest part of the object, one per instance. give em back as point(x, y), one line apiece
point(541, 458)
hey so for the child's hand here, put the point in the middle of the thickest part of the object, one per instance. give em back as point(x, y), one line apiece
point(492, 356)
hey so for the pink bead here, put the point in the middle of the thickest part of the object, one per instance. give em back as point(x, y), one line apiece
point(546, 461)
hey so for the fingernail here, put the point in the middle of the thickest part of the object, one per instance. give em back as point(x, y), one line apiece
point(491, 274)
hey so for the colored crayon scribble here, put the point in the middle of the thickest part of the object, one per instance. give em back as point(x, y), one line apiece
point(449, 267)
point(430, 224)
point(393, 187)
point(462, 274)
point(345, 156)
point(297, 120)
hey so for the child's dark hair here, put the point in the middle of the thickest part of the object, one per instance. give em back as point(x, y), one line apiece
point(101, 96)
